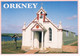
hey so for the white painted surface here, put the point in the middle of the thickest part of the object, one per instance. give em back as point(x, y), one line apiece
point(42, 41)
point(36, 40)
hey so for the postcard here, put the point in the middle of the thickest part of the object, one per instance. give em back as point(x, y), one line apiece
point(39, 27)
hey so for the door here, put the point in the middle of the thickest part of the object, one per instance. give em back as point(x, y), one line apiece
point(39, 39)
point(36, 39)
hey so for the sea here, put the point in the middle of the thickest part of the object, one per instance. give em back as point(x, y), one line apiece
point(7, 38)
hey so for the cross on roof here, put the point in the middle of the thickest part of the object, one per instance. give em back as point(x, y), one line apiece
point(41, 4)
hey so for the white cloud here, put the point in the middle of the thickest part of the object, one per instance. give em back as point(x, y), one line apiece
point(72, 17)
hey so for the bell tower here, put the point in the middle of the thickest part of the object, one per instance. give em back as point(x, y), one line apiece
point(41, 14)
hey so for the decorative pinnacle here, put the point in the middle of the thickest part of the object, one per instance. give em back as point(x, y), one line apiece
point(60, 26)
point(41, 7)
point(60, 22)
point(24, 23)
point(24, 26)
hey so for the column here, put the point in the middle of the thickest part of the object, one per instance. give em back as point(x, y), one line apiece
point(42, 41)
point(32, 39)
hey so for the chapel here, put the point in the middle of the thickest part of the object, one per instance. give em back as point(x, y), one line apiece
point(41, 33)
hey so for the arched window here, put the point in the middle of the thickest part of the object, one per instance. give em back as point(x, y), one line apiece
point(50, 34)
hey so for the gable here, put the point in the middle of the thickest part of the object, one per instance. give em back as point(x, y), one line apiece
point(46, 20)
point(37, 27)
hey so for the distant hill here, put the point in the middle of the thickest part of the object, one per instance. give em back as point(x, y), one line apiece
point(11, 34)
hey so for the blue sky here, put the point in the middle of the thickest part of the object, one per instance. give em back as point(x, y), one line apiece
point(66, 12)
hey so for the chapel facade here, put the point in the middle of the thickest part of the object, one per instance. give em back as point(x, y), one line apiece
point(41, 33)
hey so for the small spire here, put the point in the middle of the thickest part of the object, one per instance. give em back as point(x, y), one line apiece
point(60, 26)
point(41, 7)
point(60, 22)
point(24, 26)
point(24, 23)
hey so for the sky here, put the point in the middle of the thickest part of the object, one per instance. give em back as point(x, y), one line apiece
point(12, 20)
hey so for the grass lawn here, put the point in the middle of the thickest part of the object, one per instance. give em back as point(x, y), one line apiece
point(8, 47)
point(68, 42)
point(51, 52)
point(76, 44)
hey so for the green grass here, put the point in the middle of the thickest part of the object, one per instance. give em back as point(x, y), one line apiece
point(76, 44)
point(51, 52)
point(69, 39)
point(8, 47)
point(68, 42)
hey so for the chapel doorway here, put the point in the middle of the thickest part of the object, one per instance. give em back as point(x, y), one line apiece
point(37, 39)
point(40, 39)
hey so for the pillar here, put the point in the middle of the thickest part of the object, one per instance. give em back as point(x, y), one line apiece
point(32, 39)
point(42, 41)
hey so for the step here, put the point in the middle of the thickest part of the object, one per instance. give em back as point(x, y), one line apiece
point(31, 51)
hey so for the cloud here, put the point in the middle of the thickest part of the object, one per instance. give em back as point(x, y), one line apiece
point(72, 17)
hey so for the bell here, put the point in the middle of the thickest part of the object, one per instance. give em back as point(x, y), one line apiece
point(46, 14)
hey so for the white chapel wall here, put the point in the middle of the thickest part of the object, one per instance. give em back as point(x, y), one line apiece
point(53, 43)
point(60, 39)
point(27, 38)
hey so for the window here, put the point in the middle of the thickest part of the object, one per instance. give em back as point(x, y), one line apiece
point(50, 34)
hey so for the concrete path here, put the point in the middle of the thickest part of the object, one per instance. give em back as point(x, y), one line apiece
point(68, 48)
point(31, 51)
